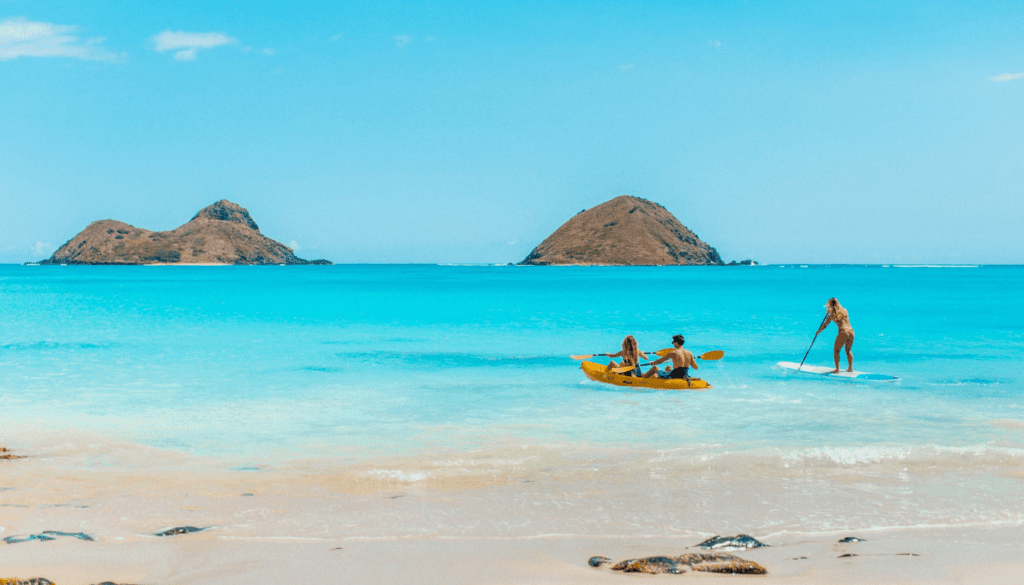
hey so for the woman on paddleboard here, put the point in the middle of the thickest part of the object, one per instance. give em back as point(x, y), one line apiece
point(630, 355)
point(836, 312)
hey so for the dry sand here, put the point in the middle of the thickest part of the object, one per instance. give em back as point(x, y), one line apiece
point(976, 555)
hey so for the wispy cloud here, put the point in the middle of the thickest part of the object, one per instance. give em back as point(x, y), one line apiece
point(402, 40)
point(626, 66)
point(187, 44)
point(41, 249)
point(23, 38)
point(715, 43)
point(337, 37)
point(294, 246)
point(1007, 77)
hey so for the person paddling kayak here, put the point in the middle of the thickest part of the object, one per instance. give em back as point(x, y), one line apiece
point(682, 361)
point(841, 317)
point(631, 356)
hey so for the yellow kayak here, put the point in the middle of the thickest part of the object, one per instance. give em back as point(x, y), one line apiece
point(597, 373)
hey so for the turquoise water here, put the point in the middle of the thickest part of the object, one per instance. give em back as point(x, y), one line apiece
point(358, 361)
point(370, 383)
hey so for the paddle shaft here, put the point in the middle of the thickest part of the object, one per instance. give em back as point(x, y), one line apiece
point(812, 343)
point(709, 356)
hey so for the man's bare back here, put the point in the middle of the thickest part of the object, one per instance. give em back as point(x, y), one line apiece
point(682, 360)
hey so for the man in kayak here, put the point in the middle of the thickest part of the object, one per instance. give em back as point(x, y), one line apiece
point(682, 361)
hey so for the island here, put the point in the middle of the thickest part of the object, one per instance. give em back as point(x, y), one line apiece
point(223, 233)
point(626, 231)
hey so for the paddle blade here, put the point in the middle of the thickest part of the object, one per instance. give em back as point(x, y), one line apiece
point(713, 355)
point(583, 357)
point(623, 369)
point(660, 352)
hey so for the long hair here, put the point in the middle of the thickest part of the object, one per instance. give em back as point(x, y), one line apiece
point(630, 351)
point(836, 311)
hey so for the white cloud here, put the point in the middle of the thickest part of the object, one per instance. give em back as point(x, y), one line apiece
point(22, 38)
point(624, 67)
point(715, 43)
point(402, 40)
point(294, 246)
point(337, 36)
point(42, 249)
point(1007, 77)
point(269, 51)
point(187, 44)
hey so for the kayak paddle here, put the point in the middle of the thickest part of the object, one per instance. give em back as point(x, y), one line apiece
point(583, 357)
point(709, 356)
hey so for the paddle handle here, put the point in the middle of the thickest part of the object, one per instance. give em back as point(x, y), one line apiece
point(812, 344)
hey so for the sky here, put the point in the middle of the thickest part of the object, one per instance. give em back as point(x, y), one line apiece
point(468, 131)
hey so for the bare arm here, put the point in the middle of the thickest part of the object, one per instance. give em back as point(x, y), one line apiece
point(660, 360)
point(828, 320)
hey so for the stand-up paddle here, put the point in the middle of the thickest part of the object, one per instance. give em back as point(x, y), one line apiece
point(812, 343)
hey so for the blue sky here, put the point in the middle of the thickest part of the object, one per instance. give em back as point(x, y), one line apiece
point(442, 131)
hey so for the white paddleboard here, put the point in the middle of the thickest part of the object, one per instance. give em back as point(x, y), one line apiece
point(826, 371)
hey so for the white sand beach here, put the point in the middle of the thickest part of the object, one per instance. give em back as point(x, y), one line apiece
point(354, 526)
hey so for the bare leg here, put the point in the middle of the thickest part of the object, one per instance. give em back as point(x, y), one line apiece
point(842, 339)
point(651, 372)
point(615, 364)
point(849, 354)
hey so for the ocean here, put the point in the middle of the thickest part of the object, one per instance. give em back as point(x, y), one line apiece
point(422, 381)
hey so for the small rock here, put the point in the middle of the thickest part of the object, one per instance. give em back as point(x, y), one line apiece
point(32, 581)
point(852, 539)
point(78, 535)
point(907, 555)
point(740, 541)
point(6, 454)
point(846, 555)
point(17, 539)
point(598, 561)
point(179, 530)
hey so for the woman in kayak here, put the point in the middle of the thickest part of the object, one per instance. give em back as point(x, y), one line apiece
point(630, 355)
point(841, 316)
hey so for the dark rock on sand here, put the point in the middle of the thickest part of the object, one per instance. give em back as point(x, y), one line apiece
point(703, 562)
point(78, 535)
point(180, 530)
point(846, 555)
point(740, 541)
point(17, 539)
point(223, 233)
point(47, 535)
point(852, 539)
point(598, 561)
point(6, 454)
point(626, 231)
point(32, 581)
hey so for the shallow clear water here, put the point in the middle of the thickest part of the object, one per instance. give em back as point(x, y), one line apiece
point(361, 364)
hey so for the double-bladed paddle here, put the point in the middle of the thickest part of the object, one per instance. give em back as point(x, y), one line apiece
point(709, 356)
point(659, 353)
